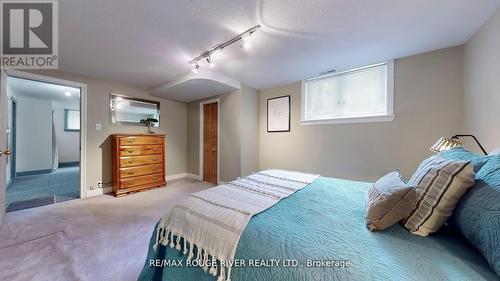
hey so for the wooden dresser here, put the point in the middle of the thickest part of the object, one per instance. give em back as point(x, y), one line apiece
point(138, 162)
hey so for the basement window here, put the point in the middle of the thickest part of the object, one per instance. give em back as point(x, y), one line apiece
point(355, 96)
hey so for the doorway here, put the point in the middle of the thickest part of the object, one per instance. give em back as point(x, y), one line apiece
point(209, 138)
point(44, 136)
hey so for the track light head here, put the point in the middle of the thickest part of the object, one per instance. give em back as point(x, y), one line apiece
point(246, 42)
point(195, 68)
point(210, 61)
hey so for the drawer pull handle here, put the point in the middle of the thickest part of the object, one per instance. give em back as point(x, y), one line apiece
point(130, 140)
point(130, 161)
point(131, 172)
point(155, 169)
point(130, 151)
point(155, 178)
point(154, 159)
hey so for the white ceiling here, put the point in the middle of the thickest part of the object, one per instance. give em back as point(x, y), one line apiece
point(46, 91)
point(147, 43)
point(193, 87)
point(196, 89)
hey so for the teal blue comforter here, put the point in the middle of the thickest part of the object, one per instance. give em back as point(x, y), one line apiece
point(324, 222)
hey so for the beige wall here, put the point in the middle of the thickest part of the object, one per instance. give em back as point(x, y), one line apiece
point(249, 121)
point(482, 84)
point(428, 104)
point(229, 136)
point(173, 123)
point(238, 134)
point(193, 138)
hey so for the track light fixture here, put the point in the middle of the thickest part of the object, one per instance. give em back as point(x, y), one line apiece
point(244, 37)
point(246, 43)
point(195, 68)
point(210, 62)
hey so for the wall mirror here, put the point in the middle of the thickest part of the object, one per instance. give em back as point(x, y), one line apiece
point(130, 111)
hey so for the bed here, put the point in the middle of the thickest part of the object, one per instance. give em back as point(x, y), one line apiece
point(324, 222)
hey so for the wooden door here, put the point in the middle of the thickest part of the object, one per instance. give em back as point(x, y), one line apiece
point(210, 141)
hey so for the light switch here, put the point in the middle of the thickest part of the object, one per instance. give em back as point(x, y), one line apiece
point(98, 127)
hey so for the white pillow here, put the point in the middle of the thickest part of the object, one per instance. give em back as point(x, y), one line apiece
point(495, 152)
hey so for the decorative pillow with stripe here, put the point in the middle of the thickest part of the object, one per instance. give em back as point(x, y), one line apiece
point(441, 183)
point(389, 201)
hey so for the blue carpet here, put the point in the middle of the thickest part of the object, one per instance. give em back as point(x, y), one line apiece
point(64, 184)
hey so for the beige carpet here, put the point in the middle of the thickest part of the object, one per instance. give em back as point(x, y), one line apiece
point(100, 238)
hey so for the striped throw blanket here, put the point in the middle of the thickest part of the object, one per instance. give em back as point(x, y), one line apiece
point(207, 225)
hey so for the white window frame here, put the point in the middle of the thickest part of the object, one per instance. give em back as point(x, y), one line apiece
point(387, 117)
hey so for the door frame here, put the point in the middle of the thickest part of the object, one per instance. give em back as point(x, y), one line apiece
point(216, 100)
point(3, 134)
point(13, 133)
point(83, 116)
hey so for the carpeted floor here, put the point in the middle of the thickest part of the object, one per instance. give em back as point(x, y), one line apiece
point(61, 185)
point(100, 238)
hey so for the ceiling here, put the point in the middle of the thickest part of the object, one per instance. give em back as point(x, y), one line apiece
point(149, 43)
point(195, 89)
point(191, 87)
point(46, 91)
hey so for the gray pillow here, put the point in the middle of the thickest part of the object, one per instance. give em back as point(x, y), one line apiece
point(388, 201)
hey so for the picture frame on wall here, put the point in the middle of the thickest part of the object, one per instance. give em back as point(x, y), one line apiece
point(278, 114)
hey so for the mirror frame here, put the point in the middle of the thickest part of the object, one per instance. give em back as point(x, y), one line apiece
point(111, 111)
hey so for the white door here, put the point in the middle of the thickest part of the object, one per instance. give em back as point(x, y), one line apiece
point(3, 141)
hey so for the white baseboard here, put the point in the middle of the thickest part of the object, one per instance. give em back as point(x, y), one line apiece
point(176, 176)
point(183, 175)
point(194, 176)
point(109, 189)
point(99, 191)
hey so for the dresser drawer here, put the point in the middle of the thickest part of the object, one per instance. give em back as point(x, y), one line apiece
point(138, 140)
point(142, 180)
point(140, 150)
point(140, 171)
point(130, 161)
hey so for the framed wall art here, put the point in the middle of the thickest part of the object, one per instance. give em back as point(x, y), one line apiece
point(278, 114)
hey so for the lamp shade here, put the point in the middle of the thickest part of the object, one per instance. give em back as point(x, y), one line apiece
point(445, 144)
